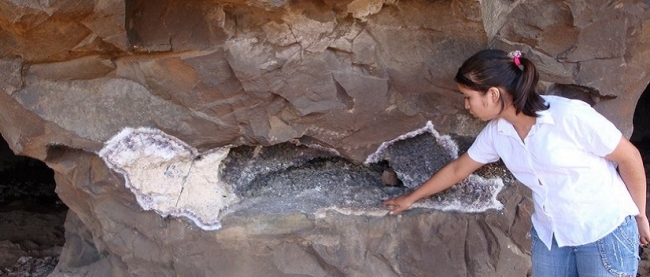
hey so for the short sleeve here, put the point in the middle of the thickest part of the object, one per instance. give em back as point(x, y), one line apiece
point(482, 150)
point(598, 135)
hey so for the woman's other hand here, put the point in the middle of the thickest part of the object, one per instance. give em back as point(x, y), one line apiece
point(644, 229)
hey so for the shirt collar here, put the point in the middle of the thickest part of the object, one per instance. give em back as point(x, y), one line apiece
point(505, 128)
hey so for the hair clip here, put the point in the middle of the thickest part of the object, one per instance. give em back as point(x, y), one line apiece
point(515, 55)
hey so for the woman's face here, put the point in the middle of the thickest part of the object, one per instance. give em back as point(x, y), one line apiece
point(482, 106)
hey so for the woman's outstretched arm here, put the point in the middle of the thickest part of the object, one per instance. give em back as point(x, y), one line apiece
point(450, 174)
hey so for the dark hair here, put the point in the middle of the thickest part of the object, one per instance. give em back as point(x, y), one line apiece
point(494, 68)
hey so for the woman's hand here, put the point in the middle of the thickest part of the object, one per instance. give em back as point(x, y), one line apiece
point(644, 229)
point(399, 203)
point(450, 174)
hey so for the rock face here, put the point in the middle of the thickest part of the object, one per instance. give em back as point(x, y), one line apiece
point(299, 99)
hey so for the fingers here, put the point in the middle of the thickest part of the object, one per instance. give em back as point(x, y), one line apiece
point(644, 239)
point(391, 205)
point(644, 230)
point(396, 205)
point(393, 209)
point(397, 210)
point(392, 202)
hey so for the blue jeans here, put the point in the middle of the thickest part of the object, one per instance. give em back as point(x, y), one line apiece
point(617, 254)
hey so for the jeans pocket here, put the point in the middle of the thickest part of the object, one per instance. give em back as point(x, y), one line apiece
point(630, 233)
point(533, 240)
point(619, 250)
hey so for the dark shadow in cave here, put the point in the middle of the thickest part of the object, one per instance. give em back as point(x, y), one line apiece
point(641, 121)
point(31, 215)
point(641, 134)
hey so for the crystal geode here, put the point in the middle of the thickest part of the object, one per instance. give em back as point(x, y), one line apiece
point(174, 179)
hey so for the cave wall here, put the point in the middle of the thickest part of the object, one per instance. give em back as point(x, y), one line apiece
point(346, 74)
point(340, 75)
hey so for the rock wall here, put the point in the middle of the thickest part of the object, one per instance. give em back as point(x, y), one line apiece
point(321, 86)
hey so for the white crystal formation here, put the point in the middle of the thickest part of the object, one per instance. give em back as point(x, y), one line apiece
point(474, 194)
point(170, 177)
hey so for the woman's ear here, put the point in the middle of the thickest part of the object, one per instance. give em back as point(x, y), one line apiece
point(494, 93)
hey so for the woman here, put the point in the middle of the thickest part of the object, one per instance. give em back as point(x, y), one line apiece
point(587, 180)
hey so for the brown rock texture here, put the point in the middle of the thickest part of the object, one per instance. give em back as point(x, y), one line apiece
point(342, 76)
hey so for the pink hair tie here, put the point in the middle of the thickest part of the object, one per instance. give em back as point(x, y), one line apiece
point(515, 55)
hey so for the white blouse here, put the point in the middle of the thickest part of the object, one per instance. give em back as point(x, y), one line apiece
point(578, 195)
